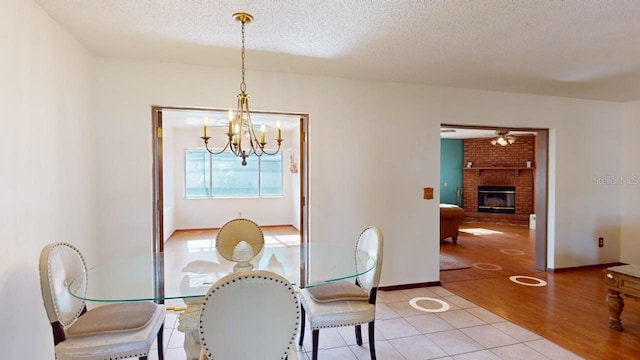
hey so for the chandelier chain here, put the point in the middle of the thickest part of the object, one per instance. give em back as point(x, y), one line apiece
point(243, 85)
point(240, 124)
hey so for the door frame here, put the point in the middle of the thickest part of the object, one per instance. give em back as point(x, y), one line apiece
point(541, 191)
point(157, 201)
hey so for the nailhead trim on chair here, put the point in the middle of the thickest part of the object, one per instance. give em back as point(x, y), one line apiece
point(244, 220)
point(345, 325)
point(83, 308)
point(291, 289)
point(128, 356)
point(351, 324)
point(84, 266)
point(370, 286)
point(240, 220)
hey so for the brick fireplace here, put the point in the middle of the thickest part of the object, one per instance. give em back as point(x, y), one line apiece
point(500, 177)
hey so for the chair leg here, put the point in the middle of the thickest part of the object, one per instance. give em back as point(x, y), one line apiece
point(160, 342)
point(316, 337)
point(303, 317)
point(359, 335)
point(372, 342)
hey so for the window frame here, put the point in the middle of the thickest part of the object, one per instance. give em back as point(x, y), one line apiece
point(210, 194)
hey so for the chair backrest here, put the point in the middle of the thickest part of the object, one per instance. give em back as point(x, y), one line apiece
point(60, 264)
point(249, 315)
point(237, 230)
point(370, 242)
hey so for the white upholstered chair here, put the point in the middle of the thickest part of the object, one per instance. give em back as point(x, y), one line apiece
point(249, 315)
point(114, 331)
point(345, 303)
point(235, 231)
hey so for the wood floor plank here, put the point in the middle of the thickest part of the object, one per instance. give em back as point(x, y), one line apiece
point(570, 310)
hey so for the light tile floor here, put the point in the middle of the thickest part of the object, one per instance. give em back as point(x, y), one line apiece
point(464, 332)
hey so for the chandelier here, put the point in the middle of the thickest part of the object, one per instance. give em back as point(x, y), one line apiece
point(503, 138)
point(242, 140)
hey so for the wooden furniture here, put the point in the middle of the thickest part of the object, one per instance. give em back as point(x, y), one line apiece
point(623, 279)
point(450, 219)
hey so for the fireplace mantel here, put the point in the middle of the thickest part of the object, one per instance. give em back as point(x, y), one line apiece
point(489, 165)
point(516, 170)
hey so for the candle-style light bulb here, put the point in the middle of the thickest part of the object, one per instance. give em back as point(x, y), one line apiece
point(206, 127)
point(229, 131)
point(263, 129)
point(279, 131)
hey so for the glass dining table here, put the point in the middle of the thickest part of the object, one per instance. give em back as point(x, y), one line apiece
point(188, 275)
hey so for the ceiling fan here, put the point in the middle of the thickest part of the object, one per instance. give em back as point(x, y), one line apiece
point(503, 138)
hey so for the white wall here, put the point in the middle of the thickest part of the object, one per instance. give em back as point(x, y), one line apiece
point(374, 175)
point(351, 187)
point(81, 173)
point(47, 166)
point(584, 139)
point(630, 191)
point(213, 213)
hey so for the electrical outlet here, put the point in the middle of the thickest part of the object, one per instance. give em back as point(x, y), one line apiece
point(600, 242)
point(428, 193)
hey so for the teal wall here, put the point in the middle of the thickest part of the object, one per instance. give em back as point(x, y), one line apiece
point(451, 158)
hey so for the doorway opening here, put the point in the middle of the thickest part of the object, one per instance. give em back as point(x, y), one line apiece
point(500, 192)
point(182, 201)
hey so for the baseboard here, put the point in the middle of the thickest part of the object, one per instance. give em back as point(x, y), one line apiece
point(586, 267)
point(409, 286)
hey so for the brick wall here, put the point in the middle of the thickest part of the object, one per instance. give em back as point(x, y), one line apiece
point(486, 162)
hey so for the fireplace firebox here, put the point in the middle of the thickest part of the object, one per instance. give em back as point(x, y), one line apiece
point(497, 199)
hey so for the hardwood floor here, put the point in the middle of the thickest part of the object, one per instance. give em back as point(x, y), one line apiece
point(569, 311)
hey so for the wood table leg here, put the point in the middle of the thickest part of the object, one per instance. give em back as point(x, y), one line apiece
point(615, 304)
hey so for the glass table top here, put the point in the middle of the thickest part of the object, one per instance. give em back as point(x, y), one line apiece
point(190, 274)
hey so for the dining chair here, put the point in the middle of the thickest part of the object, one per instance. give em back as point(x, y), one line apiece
point(235, 231)
point(345, 303)
point(249, 315)
point(113, 331)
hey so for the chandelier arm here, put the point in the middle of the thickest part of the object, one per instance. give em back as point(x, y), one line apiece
point(212, 152)
point(252, 150)
point(276, 151)
point(256, 147)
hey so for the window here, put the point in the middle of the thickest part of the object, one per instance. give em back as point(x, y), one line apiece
point(223, 175)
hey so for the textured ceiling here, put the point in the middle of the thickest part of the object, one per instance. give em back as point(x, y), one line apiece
point(575, 48)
